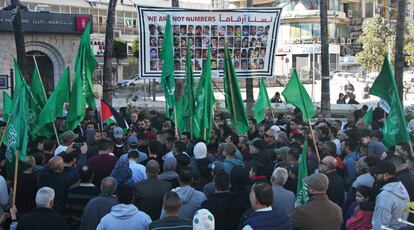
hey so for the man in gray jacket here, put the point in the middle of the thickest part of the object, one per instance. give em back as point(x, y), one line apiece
point(191, 199)
point(392, 200)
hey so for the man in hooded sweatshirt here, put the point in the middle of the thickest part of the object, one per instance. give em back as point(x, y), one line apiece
point(125, 215)
point(191, 199)
point(199, 166)
point(230, 162)
point(392, 200)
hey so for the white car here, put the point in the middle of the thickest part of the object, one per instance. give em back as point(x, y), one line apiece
point(129, 82)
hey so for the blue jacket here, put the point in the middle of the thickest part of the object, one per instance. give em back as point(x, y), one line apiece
point(229, 164)
point(269, 220)
point(125, 217)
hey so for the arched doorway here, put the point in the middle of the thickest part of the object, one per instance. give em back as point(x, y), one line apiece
point(53, 55)
point(45, 66)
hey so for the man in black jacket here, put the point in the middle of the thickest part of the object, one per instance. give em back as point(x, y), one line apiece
point(43, 217)
point(259, 155)
point(223, 204)
point(171, 206)
point(150, 192)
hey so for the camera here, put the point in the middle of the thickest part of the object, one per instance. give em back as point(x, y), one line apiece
point(77, 145)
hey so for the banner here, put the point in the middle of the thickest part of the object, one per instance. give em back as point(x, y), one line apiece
point(250, 35)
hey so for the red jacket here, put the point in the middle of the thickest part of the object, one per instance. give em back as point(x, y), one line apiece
point(360, 221)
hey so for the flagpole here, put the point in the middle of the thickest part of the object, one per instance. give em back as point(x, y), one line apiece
point(5, 129)
point(16, 169)
point(44, 93)
point(231, 91)
point(97, 117)
point(176, 124)
point(314, 141)
point(205, 134)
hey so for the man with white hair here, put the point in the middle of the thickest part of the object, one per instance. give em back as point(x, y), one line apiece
point(336, 188)
point(283, 199)
point(42, 217)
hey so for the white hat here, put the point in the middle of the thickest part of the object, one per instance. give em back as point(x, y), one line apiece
point(200, 150)
point(203, 220)
point(275, 128)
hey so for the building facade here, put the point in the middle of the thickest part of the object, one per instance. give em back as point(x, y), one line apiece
point(58, 50)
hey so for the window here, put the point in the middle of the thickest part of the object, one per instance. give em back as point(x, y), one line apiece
point(306, 31)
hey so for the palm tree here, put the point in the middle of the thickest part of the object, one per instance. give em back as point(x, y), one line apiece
point(325, 97)
point(19, 39)
point(108, 54)
point(399, 47)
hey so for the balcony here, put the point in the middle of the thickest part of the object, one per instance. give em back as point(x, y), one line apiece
point(313, 15)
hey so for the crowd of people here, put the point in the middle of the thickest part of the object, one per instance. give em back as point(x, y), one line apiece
point(146, 177)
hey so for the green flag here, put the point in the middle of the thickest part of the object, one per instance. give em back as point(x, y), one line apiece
point(188, 101)
point(203, 117)
point(54, 106)
point(37, 100)
point(7, 103)
point(395, 127)
point(18, 128)
point(180, 122)
point(82, 88)
point(167, 76)
point(368, 117)
point(302, 189)
point(295, 94)
point(18, 77)
point(262, 103)
point(37, 88)
point(234, 101)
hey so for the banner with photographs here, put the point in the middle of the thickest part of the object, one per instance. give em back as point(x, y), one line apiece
point(250, 34)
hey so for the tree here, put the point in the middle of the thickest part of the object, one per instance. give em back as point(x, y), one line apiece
point(399, 47)
point(19, 39)
point(409, 46)
point(325, 97)
point(120, 50)
point(135, 48)
point(377, 40)
point(108, 54)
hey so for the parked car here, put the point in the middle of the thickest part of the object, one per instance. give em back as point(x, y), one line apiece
point(129, 82)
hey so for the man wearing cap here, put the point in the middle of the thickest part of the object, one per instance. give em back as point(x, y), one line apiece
point(199, 166)
point(119, 141)
point(260, 156)
point(270, 137)
point(66, 139)
point(392, 200)
point(319, 212)
point(215, 167)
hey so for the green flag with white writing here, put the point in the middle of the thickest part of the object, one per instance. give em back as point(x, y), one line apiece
point(262, 103)
point(385, 87)
point(234, 101)
point(167, 75)
point(295, 94)
point(18, 128)
point(302, 189)
point(82, 88)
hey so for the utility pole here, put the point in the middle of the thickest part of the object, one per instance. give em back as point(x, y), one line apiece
point(249, 82)
point(325, 79)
